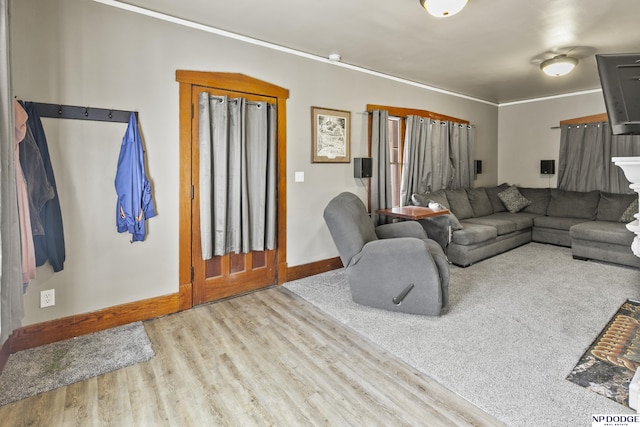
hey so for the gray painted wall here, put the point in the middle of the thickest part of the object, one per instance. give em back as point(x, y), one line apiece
point(526, 136)
point(79, 52)
point(84, 53)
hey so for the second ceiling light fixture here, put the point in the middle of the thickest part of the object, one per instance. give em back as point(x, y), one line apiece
point(559, 65)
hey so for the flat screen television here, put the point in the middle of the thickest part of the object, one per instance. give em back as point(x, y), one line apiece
point(620, 79)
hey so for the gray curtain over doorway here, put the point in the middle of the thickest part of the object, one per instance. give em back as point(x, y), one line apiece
point(11, 306)
point(237, 142)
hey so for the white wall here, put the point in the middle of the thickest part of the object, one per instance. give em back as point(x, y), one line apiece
point(79, 52)
point(527, 135)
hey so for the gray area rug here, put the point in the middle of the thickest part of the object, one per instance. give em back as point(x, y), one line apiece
point(47, 367)
point(516, 326)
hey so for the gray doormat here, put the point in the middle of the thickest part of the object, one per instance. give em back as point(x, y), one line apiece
point(50, 366)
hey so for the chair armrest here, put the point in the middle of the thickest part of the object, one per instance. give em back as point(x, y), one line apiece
point(401, 229)
point(399, 256)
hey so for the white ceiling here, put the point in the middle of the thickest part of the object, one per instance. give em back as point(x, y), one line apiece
point(489, 51)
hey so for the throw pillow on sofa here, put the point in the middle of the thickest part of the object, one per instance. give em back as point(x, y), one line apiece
point(513, 200)
point(628, 214)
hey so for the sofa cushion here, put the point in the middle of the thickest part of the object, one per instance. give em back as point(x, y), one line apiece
point(573, 204)
point(480, 202)
point(629, 214)
point(556, 222)
point(459, 203)
point(521, 220)
point(439, 197)
point(492, 193)
point(539, 199)
point(423, 199)
point(615, 233)
point(611, 206)
point(502, 226)
point(513, 200)
point(454, 222)
point(474, 233)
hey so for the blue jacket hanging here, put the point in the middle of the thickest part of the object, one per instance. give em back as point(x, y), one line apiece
point(135, 204)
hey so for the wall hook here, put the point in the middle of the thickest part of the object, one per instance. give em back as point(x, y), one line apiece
point(62, 111)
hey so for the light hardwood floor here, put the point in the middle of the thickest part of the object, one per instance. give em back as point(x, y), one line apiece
point(266, 359)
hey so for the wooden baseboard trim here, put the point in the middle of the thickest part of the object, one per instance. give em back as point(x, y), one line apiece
point(38, 334)
point(31, 336)
point(317, 267)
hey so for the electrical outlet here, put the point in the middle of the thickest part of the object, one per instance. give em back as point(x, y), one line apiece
point(47, 298)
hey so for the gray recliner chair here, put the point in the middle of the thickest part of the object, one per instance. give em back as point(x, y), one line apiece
point(394, 267)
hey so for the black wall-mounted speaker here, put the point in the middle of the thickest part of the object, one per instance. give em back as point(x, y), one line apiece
point(478, 166)
point(547, 167)
point(362, 167)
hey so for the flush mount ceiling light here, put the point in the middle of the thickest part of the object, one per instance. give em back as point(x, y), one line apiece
point(559, 65)
point(443, 8)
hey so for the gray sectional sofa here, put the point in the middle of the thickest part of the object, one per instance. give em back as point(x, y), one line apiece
point(487, 221)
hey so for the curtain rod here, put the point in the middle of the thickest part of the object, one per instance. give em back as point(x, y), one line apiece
point(60, 111)
point(437, 118)
point(442, 120)
point(235, 100)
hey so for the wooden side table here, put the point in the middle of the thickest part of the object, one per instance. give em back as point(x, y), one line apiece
point(436, 229)
point(413, 213)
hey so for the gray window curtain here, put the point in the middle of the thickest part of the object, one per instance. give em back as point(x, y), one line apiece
point(437, 154)
point(417, 168)
point(381, 196)
point(441, 156)
point(237, 141)
point(11, 308)
point(584, 161)
point(462, 140)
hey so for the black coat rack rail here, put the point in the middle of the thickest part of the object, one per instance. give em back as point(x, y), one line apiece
point(59, 111)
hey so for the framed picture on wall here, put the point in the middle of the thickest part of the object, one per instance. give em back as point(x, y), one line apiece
point(330, 130)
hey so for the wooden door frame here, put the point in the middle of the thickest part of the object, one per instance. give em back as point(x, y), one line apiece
point(236, 83)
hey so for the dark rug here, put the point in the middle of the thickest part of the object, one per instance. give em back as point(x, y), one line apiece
point(609, 364)
point(50, 366)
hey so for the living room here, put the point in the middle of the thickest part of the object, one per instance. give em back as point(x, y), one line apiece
point(90, 53)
